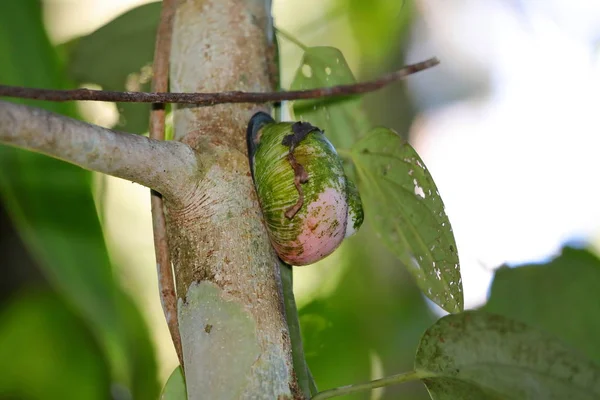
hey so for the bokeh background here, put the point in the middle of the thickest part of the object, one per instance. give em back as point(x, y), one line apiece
point(507, 124)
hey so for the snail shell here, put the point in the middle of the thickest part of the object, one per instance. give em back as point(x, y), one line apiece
point(308, 203)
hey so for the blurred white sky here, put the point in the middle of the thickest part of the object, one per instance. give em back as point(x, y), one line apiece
point(515, 164)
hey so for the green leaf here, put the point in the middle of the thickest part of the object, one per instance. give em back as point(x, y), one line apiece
point(480, 356)
point(342, 118)
point(402, 203)
point(52, 206)
point(48, 352)
point(560, 297)
point(128, 43)
point(175, 387)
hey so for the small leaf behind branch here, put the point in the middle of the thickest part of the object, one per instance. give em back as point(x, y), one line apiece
point(128, 42)
point(406, 210)
point(342, 118)
point(175, 387)
point(480, 356)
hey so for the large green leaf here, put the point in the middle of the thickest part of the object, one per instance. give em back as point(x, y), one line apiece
point(47, 352)
point(52, 206)
point(342, 118)
point(128, 42)
point(560, 297)
point(480, 356)
point(406, 210)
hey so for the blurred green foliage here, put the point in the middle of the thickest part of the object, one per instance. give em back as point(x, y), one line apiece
point(380, 27)
point(52, 205)
point(48, 352)
point(560, 297)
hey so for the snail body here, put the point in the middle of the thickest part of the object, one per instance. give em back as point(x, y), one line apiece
point(308, 203)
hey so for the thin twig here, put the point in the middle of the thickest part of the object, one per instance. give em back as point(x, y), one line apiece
point(209, 99)
point(363, 387)
point(290, 38)
point(160, 83)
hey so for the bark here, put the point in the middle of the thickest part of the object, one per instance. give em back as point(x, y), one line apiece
point(232, 322)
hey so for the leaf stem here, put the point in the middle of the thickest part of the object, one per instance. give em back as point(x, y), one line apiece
point(290, 38)
point(344, 153)
point(362, 387)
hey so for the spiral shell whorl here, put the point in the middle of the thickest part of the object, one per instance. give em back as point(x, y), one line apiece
point(321, 223)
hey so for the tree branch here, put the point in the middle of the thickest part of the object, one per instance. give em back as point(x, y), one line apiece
point(209, 99)
point(235, 338)
point(164, 270)
point(163, 166)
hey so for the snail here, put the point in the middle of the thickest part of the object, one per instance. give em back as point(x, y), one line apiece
point(308, 203)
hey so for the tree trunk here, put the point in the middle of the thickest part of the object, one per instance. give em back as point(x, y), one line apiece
point(232, 321)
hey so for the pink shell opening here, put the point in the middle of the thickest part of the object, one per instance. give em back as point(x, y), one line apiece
point(323, 229)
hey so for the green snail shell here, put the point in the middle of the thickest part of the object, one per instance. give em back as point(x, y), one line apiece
point(310, 208)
